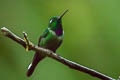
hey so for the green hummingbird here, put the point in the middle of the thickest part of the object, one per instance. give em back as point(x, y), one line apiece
point(51, 39)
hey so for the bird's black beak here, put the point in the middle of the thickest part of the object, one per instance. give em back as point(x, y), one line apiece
point(60, 17)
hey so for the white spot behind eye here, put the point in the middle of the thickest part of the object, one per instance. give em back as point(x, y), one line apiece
point(50, 21)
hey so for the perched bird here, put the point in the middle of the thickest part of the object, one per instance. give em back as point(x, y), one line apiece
point(51, 39)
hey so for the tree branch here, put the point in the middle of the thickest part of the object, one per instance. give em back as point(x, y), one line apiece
point(52, 55)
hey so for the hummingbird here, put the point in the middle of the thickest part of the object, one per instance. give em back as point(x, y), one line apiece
point(51, 39)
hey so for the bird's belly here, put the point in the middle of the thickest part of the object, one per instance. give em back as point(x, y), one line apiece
point(52, 43)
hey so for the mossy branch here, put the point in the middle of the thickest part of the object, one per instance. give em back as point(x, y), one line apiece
point(6, 32)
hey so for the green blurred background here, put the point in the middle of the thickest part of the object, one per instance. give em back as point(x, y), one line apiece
point(92, 37)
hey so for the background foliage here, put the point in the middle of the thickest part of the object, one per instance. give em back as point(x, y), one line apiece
point(92, 37)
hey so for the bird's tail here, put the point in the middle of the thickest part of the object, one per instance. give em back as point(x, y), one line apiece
point(37, 58)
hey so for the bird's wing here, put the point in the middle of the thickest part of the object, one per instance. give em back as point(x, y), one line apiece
point(43, 36)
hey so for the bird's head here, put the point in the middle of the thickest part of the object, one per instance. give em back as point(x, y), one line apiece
point(56, 21)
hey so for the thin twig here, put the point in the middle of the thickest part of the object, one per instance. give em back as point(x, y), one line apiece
point(26, 40)
point(49, 53)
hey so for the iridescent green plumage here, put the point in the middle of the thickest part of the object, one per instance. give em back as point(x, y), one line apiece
point(51, 39)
